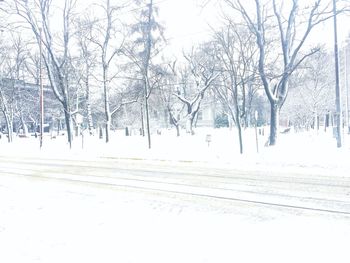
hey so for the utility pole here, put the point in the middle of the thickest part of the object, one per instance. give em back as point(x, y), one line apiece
point(337, 86)
point(347, 41)
point(41, 91)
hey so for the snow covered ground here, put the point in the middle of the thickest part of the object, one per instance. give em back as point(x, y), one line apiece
point(52, 221)
point(56, 221)
point(316, 153)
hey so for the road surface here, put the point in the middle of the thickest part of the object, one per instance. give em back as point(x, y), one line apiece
point(53, 206)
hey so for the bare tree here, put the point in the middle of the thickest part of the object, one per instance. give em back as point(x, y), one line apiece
point(7, 107)
point(144, 48)
point(173, 106)
point(312, 92)
point(37, 15)
point(195, 80)
point(20, 58)
point(294, 22)
point(109, 47)
point(12, 72)
point(88, 57)
point(237, 53)
point(30, 100)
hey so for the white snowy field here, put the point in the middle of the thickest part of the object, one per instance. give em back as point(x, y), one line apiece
point(300, 152)
point(51, 221)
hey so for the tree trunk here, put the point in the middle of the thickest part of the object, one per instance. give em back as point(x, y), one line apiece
point(58, 126)
point(175, 121)
point(236, 117)
point(195, 120)
point(316, 121)
point(177, 130)
point(89, 115)
point(147, 119)
point(274, 123)
point(232, 116)
point(24, 126)
point(88, 105)
point(142, 123)
point(189, 125)
point(107, 109)
point(100, 132)
point(240, 137)
point(108, 126)
point(9, 127)
point(68, 119)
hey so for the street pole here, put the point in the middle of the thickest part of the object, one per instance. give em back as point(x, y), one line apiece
point(347, 85)
point(41, 91)
point(337, 86)
point(256, 131)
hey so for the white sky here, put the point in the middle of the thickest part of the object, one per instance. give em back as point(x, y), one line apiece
point(187, 23)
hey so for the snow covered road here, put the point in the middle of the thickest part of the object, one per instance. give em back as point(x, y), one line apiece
point(107, 210)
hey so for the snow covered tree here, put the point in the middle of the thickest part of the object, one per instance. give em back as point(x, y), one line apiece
point(289, 23)
point(312, 92)
point(56, 44)
point(142, 49)
point(236, 53)
point(196, 77)
point(12, 69)
point(88, 58)
point(173, 106)
point(108, 35)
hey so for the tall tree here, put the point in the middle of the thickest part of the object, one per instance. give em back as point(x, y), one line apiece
point(56, 55)
point(312, 93)
point(195, 79)
point(88, 59)
point(294, 22)
point(7, 104)
point(109, 39)
point(12, 71)
point(173, 106)
point(237, 54)
point(144, 48)
point(20, 57)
